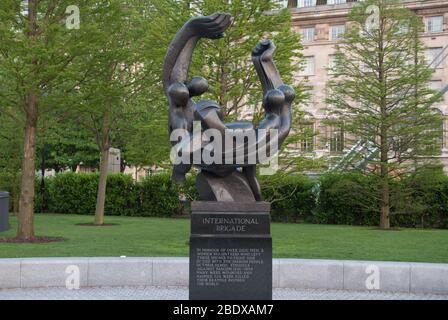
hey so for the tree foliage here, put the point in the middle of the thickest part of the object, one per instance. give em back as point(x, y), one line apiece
point(380, 89)
point(226, 63)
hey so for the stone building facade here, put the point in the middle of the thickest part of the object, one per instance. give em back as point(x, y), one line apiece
point(321, 23)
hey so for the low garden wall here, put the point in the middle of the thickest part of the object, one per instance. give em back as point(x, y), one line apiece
point(406, 277)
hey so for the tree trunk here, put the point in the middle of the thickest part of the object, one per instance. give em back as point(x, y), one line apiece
point(26, 204)
point(385, 204)
point(384, 141)
point(384, 174)
point(42, 181)
point(104, 146)
point(14, 193)
point(101, 196)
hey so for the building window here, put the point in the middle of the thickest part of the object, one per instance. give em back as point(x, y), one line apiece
point(336, 1)
point(308, 34)
point(434, 57)
point(337, 32)
point(336, 138)
point(307, 142)
point(434, 24)
point(306, 3)
point(331, 63)
point(309, 66)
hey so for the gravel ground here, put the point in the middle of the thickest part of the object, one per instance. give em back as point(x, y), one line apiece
point(174, 293)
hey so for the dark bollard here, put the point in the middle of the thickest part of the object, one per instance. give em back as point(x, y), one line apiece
point(4, 211)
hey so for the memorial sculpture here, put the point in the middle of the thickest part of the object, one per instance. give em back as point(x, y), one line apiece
point(222, 182)
point(230, 242)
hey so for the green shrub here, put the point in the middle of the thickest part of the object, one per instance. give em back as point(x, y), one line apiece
point(159, 196)
point(121, 195)
point(291, 196)
point(188, 188)
point(419, 199)
point(73, 193)
point(76, 193)
point(42, 194)
point(348, 198)
point(188, 193)
point(437, 214)
point(425, 200)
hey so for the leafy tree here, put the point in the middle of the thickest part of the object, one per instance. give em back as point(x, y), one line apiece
point(37, 55)
point(63, 145)
point(380, 90)
point(119, 87)
point(147, 145)
point(10, 158)
point(60, 146)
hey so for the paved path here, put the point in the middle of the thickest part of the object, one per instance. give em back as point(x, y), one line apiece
point(155, 293)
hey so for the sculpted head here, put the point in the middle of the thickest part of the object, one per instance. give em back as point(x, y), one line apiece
point(197, 86)
point(273, 101)
point(289, 93)
point(179, 94)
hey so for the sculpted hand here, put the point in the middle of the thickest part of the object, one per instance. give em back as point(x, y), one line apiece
point(211, 27)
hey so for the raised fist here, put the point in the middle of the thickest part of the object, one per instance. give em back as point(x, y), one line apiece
point(264, 50)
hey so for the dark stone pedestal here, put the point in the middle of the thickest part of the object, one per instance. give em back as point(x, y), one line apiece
point(230, 251)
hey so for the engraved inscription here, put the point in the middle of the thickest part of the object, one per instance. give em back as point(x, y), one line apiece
point(215, 266)
point(222, 224)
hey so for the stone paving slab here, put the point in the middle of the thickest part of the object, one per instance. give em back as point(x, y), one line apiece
point(181, 293)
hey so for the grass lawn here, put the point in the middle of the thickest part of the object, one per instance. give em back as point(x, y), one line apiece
point(169, 237)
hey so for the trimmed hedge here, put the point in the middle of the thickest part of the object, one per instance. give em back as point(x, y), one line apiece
point(426, 200)
point(73, 192)
point(291, 196)
point(159, 196)
point(76, 193)
point(347, 198)
point(417, 200)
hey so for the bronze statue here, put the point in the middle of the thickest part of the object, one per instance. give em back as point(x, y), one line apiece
point(222, 181)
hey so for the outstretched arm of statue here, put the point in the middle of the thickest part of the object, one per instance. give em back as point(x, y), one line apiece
point(175, 74)
point(180, 51)
point(263, 60)
point(277, 97)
